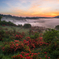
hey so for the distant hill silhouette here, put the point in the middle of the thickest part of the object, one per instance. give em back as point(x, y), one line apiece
point(56, 17)
point(18, 18)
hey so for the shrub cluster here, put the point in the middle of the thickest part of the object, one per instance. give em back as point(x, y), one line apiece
point(27, 26)
point(7, 23)
point(57, 27)
point(49, 35)
point(20, 46)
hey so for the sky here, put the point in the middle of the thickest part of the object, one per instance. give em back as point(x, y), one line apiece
point(30, 8)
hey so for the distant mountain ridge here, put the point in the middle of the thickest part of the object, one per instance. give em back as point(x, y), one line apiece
point(56, 17)
point(18, 18)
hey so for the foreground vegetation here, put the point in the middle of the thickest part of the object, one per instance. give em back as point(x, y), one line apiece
point(21, 43)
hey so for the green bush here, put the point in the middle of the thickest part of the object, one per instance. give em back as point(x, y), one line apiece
point(57, 27)
point(49, 35)
point(1, 56)
point(0, 18)
point(36, 35)
point(53, 49)
point(7, 23)
point(19, 25)
point(54, 45)
point(27, 26)
point(1, 34)
point(55, 54)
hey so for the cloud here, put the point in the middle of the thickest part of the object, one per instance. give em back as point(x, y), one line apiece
point(32, 7)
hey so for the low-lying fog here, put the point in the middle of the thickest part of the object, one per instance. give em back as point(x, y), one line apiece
point(44, 22)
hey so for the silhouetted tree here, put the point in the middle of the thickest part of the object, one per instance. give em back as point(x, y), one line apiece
point(0, 18)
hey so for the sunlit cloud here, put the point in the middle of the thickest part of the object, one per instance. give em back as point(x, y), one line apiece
point(46, 8)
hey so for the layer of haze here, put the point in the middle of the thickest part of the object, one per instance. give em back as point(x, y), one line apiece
point(42, 22)
point(31, 8)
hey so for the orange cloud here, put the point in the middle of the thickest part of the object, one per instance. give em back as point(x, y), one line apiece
point(40, 8)
point(37, 12)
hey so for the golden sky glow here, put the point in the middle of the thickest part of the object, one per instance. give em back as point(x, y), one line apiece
point(30, 8)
